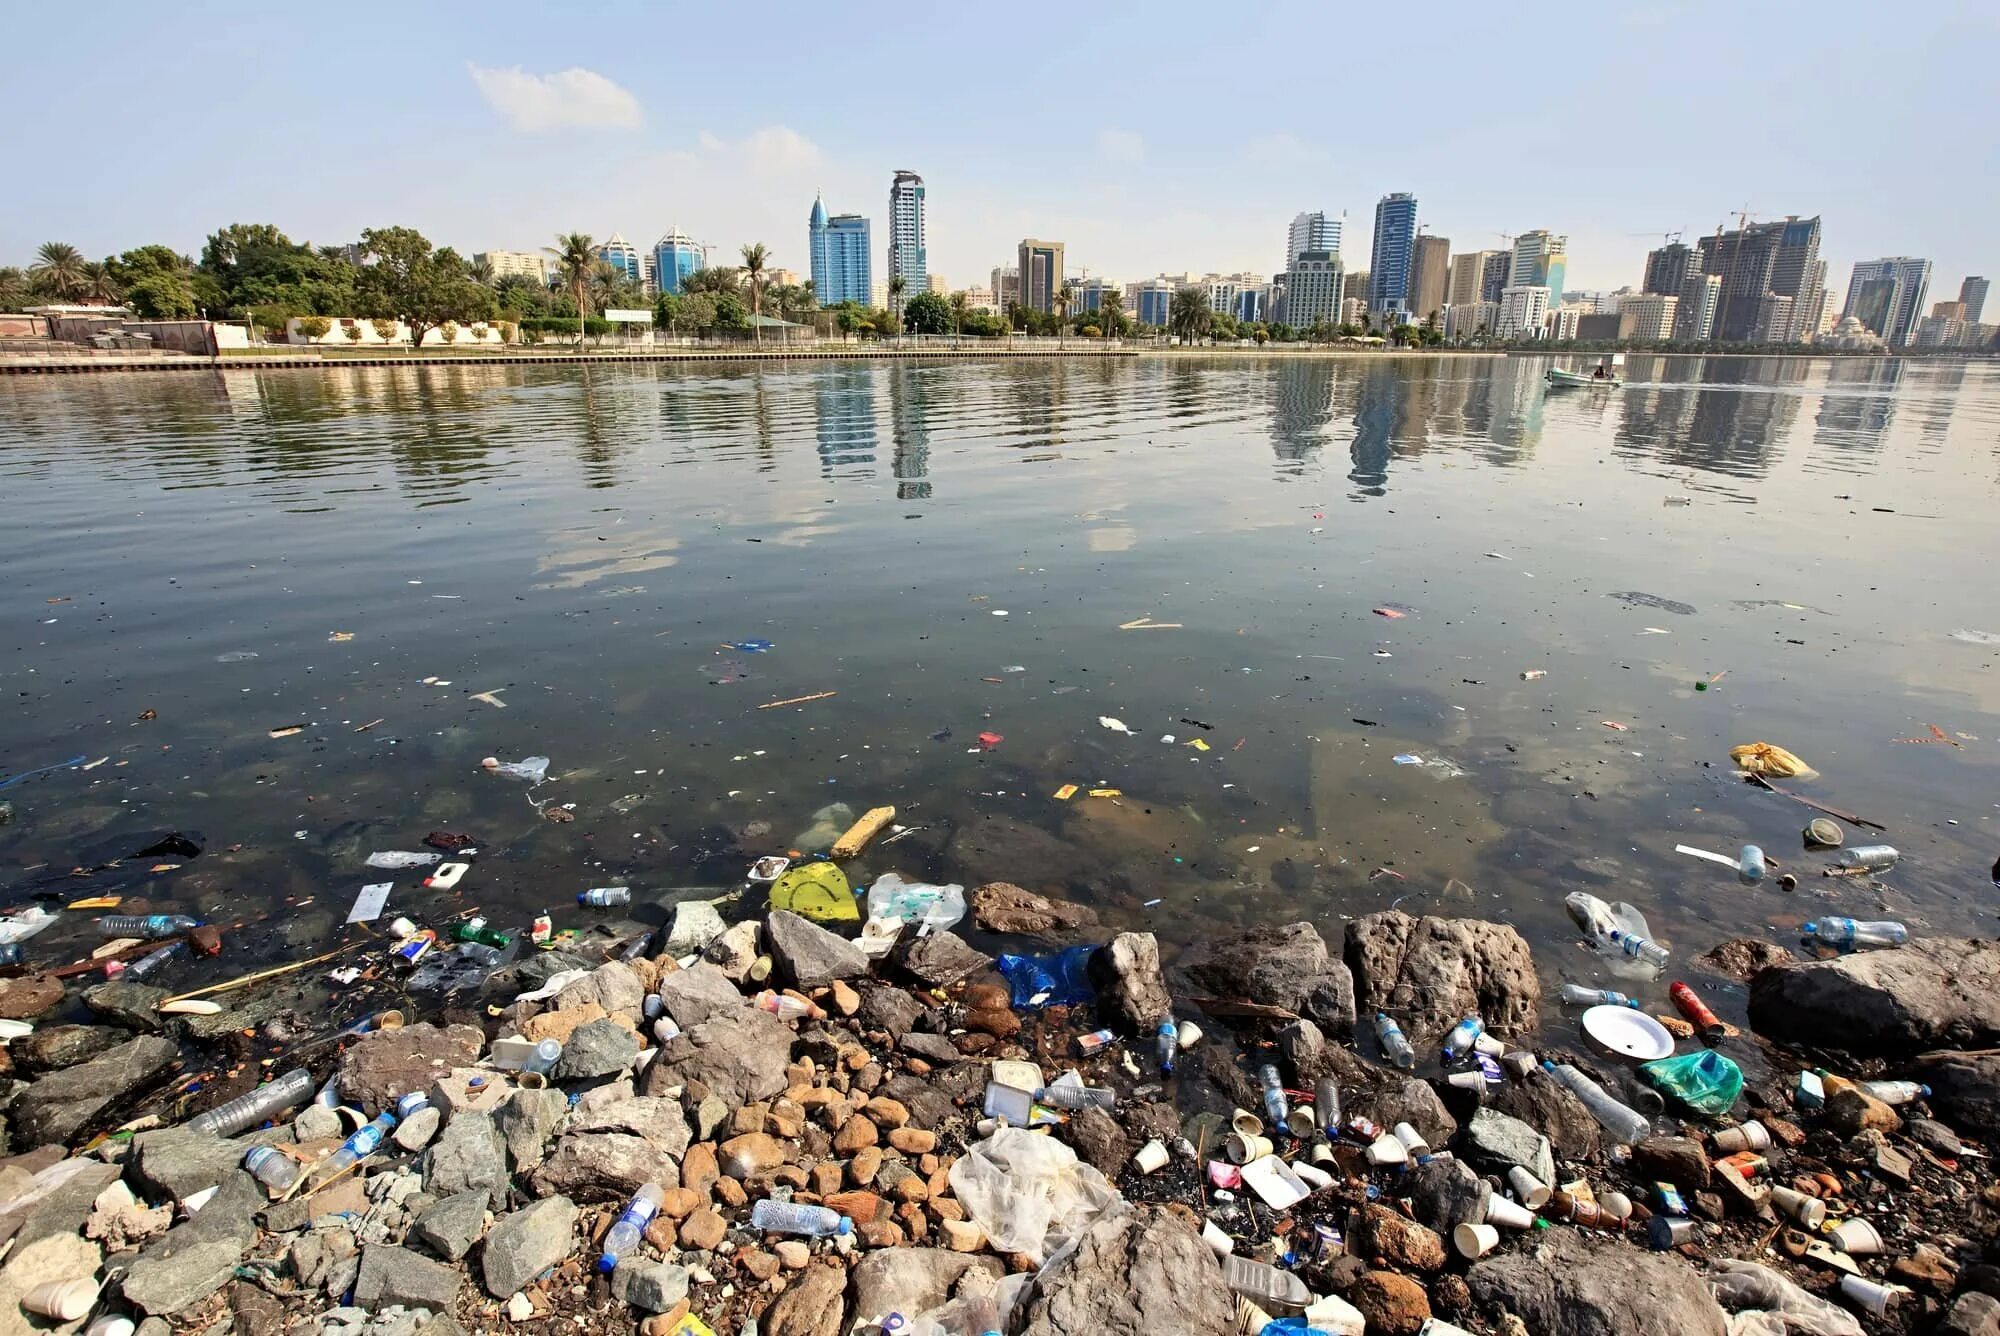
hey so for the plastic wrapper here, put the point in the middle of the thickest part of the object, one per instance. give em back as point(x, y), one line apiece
point(929, 908)
point(1028, 1192)
point(1770, 1305)
point(1761, 758)
point(1706, 1081)
point(1060, 980)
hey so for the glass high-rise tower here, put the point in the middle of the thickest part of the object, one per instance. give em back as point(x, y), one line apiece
point(908, 259)
point(840, 260)
point(675, 256)
point(1389, 261)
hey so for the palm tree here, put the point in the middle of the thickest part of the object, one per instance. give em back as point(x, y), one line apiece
point(576, 262)
point(1063, 299)
point(13, 288)
point(1188, 313)
point(100, 286)
point(897, 286)
point(1111, 305)
point(480, 270)
point(58, 267)
point(754, 256)
point(961, 306)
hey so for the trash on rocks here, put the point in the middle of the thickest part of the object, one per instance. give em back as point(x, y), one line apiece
point(266, 1101)
point(25, 923)
point(1747, 1287)
point(1706, 1082)
point(865, 829)
point(1626, 1032)
point(1762, 758)
point(533, 769)
point(1624, 1123)
point(1576, 995)
point(777, 1217)
point(818, 891)
point(147, 927)
point(605, 897)
point(1059, 980)
point(1396, 1048)
point(1706, 1023)
point(622, 1239)
point(1865, 858)
point(930, 908)
point(1619, 929)
point(1019, 1187)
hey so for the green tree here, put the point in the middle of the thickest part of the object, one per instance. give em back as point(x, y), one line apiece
point(100, 284)
point(480, 269)
point(714, 282)
point(927, 313)
point(13, 288)
point(385, 330)
point(254, 264)
point(425, 287)
point(897, 287)
point(698, 310)
point(667, 312)
point(59, 270)
point(731, 313)
point(1062, 301)
point(1111, 307)
point(754, 256)
point(353, 331)
point(315, 327)
point(576, 261)
point(1188, 314)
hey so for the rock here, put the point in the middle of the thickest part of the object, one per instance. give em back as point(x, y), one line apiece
point(998, 1022)
point(750, 1154)
point(1430, 972)
point(927, 1103)
point(700, 1170)
point(890, 1009)
point(176, 1162)
point(735, 951)
point(962, 1236)
point(857, 1132)
point(560, 1025)
point(391, 1275)
point(601, 1048)
point(913, 1140)
point(1278, 967)
point(808, 956)
point(660, 1121)
point(1412, 1101)
point(416, 1131)
point(132, 1005)
point(886, 1112)
point(1569, 1286)
point(1742, 958)
point(740, 1057)
point(694, 927)
point(526, 1122)
point(1677, 1160)
point(58, 1046)
point(1001, 906)
point(450, 1227)
point(1445, 1193)
point(650, 1287)
point(58, 1106)
point(387, 1064)
point(1304, 1047)
point(197, 1258)
point(793, 1254)
point(1936, 992)
point(692, 996)
point(1965, 1092)
point(1849, 1111)
point(1925, 1268)
point(520, 1308)
point(1098, 1141)
point(1135, 1273)
point(867, 1161)
point(614, 986)
point(703, 1230)
point(1129, 970)
point(845, 1000)
point(1498, 1141)
point(1402, 1243)
point(1972, 1315)
point(1393, 1305)
point(526, 1243)
point(932, 1047)
point(812, 1305)
point(914, 1280)
point(860, 1207)
point(941, 958)
point(600, 1166)
point(1541, 1102)
point(471, 1156)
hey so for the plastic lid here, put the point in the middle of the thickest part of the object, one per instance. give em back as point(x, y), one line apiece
point(607, 1263)
point(846, 1226)
point(1810, 927)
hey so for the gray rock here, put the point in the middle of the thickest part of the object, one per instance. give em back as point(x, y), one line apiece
point(63, 1210)
point(60, 1046)
point(941, 958)
point(1304, 1047)
point(316, 1122)
point(1972, 1315)
point(914, 1280)
point(1572, 1287)
point(1541, 1102)
point(659, 1121)
point(735, 951)
point(526, 1243)
point(695, 926)
point(1130, 968)
point(740, 1056)
point(1430, 972)
point(812, 1304)
point(1097, 1140)
point(1286, 966)
point(415, 1132)
point(61, 1104)
point(931, 1047)
point(614, 985)
point(179, 1161)
point(1445, 1193)
point(1001, 906)
point(807, 955)
point(1936, 992)
point(452, 1226)
point(392, 1275)
point(1411, 1100)
point(132, 1005)
point(1965, 1091)
point(1934, 1137)
point(890, 1009)
point(603, 1166)
point(651, 1287)
point(694, 995)
point(471, 1156)
point(1498, 1141)
point(1134, 1274)
point(526, 1122)
point(194, 1260)
point(381, 1067)
point(313, 1254)
point(928, 1104)
point(601, 1048)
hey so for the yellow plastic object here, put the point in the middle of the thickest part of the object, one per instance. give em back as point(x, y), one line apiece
point(818, 891)
point(1065, 793)
point(97, 902)
point(867, 828)
point(1761, 758)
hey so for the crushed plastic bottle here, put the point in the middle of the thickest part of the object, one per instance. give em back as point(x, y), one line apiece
point(1615, 929)
point(153, 961)
point(226, 1120)
point(1848, 934)
point(1866, 858)
point(1462, 1037)
point(1274, 1095)
point(147, 927)
point(1079, 1096)
point(627, 1229)
point(1750, 864)
point(1576, 995)
point(787, 1008)
point(1168, 1044)
point(272, 1167)
point(605, 897)
point(396, 860)
point(1623, 1122)
point(1394, 1046)
point(784, 1217)
point(359, 1146)
point(533, 769)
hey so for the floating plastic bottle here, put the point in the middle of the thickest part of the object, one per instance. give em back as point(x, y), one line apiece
point(626, 1230)
point(1750, 863)
point(1616, 929)
point(1274, 1095)
point(1866, 858)
point(1897, 1092)
point(396, 860)
point(1622, 1121)
point(475, 930)
point(1394, 1046)
point(271, 1167)
point(1635, 947)
point(1063, 1096)
point(153, 961)
point(787, 1217)
point(359, 1146)
point(604, 897)
point(1576, 995)
point(533, 769)
point(1168, 1044)
point(273, 1097)
point(148, 927)
point(786, 1007)
point(1847, 934)
point(1463, 1035)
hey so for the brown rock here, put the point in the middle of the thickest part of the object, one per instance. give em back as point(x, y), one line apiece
point(30, 995)
point(987, 997)
point(886, 1112)
point(881, 1232)
point(942, 1209)
point(845, 1000)
point(1394, 1305)
point(860, 1207)
point(911, 1189)
point(749, 1118)
point(913, 1140)
point(680, 1203)
point(1741, 957)
point(752, 1153)
point(699, 1169)
point(206, 940)
point(759, 1264)
point(731, 1193)
point(1926, 1268)
point(867, 1162)
point(792, 1176)
point(1679, 1160)
point(703, 1230)
point(813, 1304)
point(972, 1043)
point(1400, 1242)
point(562, 1024)
point(826, 1177)
point(855, 1133)
point(1785, 1133)
point(663, 1233)
point(1001, 906)
point(793, 1254)
point(787, 1119)
point(1000, 1023)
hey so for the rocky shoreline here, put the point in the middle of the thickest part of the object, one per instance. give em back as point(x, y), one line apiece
point(485, 1208)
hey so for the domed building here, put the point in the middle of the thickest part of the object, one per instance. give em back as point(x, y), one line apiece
point(1850, 335)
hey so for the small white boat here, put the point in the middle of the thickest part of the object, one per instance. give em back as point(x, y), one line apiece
point(1606, 374)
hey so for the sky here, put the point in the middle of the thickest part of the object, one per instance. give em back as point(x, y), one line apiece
point(1149, 138)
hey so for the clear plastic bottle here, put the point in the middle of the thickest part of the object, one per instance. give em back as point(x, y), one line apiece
point(148, 927)
point(786, 1008)
point(1897, 1092)
point(1576, 995)
point(786, 1217)
point(1275, 1107)
point(625, 1231)
point(1847, 933)
point(153, 961)
point(1326, 1106)
point(1750, 863)
point(359, 1146)
point(1623, 1122)
point(1459, 1042)
point(605, 897)
point(397, 860)
point(1077, 1097)
point(1394, 1046)
point(1639, 948)
point(1168, 1044)
point(271, 1167)
point(547, 1054)
point(267, 1100)
point(1866, 858)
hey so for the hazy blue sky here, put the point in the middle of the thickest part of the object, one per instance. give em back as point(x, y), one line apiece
point(1148, 137)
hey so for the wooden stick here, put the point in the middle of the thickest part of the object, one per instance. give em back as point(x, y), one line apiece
point(798, 700)
point(261, 974)
point(1848, 817)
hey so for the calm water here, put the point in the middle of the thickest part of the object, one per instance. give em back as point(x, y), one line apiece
point(247, 551)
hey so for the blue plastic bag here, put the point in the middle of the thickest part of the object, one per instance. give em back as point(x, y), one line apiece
point(1060, 980)
point(1290, 1326)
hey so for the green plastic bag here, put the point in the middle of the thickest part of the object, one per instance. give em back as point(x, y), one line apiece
point(1706, 1081)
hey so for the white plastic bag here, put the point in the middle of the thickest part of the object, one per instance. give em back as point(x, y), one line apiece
point(21, 926)
point(534, 769)
point(1767, 1298)
point(1021, 1187)
point(930, 908)
point(397, 859)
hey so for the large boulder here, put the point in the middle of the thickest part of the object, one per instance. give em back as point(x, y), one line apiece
point(693, 995)
point(601, 1048)
point(1412, 1100)
point(195, 1259)
point(1429, 972)
point(740, 1056)
point(471, 1156)
point(523, 1245)
point(914, 1280)
point(1286, 967)
point(1001, 906)
point(807, 955)
point(1937, 992)
point(1445, 1193)
point(1135, 1273)
point(526, 1122)
point(941, 958)
point(614, 986)
point(380, 1068)
point(61, 1104)
point(660, 1121)
point(889, 1009)
point(1130, 969)
point(1965, 1091)
point(695, 925)
point(812, 1304)
point(1571, 1287)
point(603, 1166)
point(55, 1047)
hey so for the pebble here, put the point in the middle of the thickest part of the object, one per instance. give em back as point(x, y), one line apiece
point(856, 1133)
point(415, 1132)
point(520, 1308)
point(793, 1255)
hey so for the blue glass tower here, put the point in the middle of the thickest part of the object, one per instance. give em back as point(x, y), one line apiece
point(623, 256)
point(1389, 264)
point(675, 256)
point(841, 269)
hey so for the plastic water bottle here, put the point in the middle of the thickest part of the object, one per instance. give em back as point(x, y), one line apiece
point(1168, 1044)
point(624, 1234)
point(1576, 995)
point(1275, 1107)
point(1394, 1046)
point(547, 1054)
point(1640, 948)
point(1459, 1042)
point(604, 897)
point(787, 1217)
point(148, 927)
point(1847, 933)
point(1623, 1122)
point(1897, 1092)
point(1750, 863)
point(1326, 1106)
point(1076, 1097)
point(1866, 858)
point(153, 961)
point(359, 1146)
point(273, 1097)
point(274, 1169)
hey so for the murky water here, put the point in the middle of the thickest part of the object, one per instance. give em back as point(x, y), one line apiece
point(1195, 548)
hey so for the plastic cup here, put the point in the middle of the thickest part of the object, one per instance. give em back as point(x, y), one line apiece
point(1531, 1191)
point(1748, 1136)
point(1386, 1149)
point(1520, 1063)
point(1489, 1045)
point(111, 1324)
point(1315, 1178)
point(1151, 1157)
point(1808, 1210)
point(1875, 1298)
point(1413, 1140)
point(1616, 1205)
point(1508, 1213)
point(63, 1300)
point(1187, 1034)
point(1246, 1122)
point(1303, 1122)
point(1218, 1242)
point(1472, 1080)
point(536, 1080)
point(1242, 1148)
point(1856, 1236)
point(1474, 1241)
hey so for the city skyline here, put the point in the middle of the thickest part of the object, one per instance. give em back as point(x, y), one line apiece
point(463, 116)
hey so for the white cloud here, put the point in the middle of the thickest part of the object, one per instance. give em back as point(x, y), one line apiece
point(1283, 149)
point(572, 97)
point(773, 149)
point(1121, 145)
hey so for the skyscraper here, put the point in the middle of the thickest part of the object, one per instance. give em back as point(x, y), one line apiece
point(675, 256)
point(1539, 260)
point(1041, 264)
point(1888, 296)
point(1389, 263)
point(1524, 309)
point(1694, 313)
point(1315, 231)
point(1430, 259)
point(1758, 262)
point(623, 256)
point(1668, 267)
point(1312, 290)
point(1499, 264)
point(1972, 296)
point(840, 256)
point(1467, 283)
point(1795, 273)
point(1006, 287)
point(908, 259)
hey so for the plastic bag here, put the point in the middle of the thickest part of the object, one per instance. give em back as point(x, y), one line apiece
point(1060, 980)
point(930, 908)
point(395, 859)
point(1764, 1294)
point(534, 769)
point(1706, 1081)
point(1028, 1191)
point(1761, 758)
point(19, 927)
point(818, 891)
